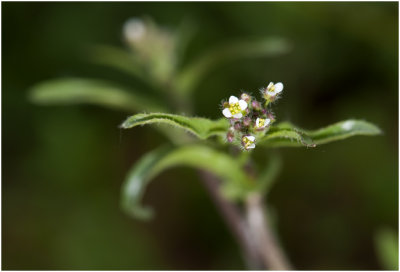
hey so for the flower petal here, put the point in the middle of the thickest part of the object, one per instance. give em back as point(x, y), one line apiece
point(227, 113)
point(270, 85)
point(278, 87)
point(251, 146)
point(251, 138)
point(243, 105)
point(267, 121)
point(233, 99)
point(238, 115)
point(258, 122)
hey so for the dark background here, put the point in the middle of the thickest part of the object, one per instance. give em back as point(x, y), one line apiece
point(63, 166)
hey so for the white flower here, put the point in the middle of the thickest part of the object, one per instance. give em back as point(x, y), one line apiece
point(274, 89)
point(235, 109)
point(249, 142)
point(262, 123)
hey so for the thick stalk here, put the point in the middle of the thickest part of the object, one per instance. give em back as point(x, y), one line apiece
point(271, 253)
point(234, 221)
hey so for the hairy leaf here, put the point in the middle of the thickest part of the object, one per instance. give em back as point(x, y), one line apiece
point(286, 135)
point(201, 127)
point(74, 90)
point(192, 74)
point(235, 181)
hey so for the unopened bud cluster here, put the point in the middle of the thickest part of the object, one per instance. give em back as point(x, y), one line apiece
point(154, 47)
point(250, 119)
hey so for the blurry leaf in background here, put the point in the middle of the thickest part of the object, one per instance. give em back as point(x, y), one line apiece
point(201, 127)
point(193, 73)
point(119, 59)
point(387, 247)
point(269, 174)
point(186, 31)
point(285, 134)
point(235, 182)
point(99, 92)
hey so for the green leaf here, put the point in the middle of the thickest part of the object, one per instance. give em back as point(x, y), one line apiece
point(118, 59)
point(343, 130)
point(287, 135)
point(192, 75)
point(236, 183)
point(102, 93)
point(200, 127)
point(386, 242)
point(184, 35)
point(269, 175)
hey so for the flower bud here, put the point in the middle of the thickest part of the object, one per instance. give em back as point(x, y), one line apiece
point(247, 121)
point(245, 97)
point(271, 116)
point(237, 126)
point(134, 30)
point(256, 105)
point(230, 136)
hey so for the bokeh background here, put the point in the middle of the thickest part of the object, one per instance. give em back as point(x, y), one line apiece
point(63, 165)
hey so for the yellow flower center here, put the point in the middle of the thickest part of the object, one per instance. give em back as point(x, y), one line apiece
point(247, 142)
point(261, 122)
point(235, 108)
point(271, 88)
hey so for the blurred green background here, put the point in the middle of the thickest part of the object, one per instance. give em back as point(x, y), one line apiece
point(63, 165)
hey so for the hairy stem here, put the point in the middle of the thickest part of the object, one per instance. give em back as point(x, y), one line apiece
point(271, 253)
point(234, 221)
point(251, 230)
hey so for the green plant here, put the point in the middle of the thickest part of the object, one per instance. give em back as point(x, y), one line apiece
point(219, 149)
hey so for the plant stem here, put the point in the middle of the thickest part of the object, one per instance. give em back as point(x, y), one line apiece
point(234, 220)
point(271, 253)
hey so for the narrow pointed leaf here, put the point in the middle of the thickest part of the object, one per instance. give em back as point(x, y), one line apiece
point(287, 135)
point(185, 33)
point(343, 130)
point(117, 58)
point(235, 182)
point(200, 127)
point(90, 91)
point(192, 74)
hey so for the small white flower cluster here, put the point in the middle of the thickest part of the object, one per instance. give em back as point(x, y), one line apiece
point(249, 118)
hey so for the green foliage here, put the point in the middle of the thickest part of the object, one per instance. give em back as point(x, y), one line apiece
point(155, 57)
point(387, 247)
point(191, 75)
point(119, 59)
point(200, 127)
point(287, 135)
point(98, 92)
point(269, 174)
point(282, 135)
point(235, 182)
